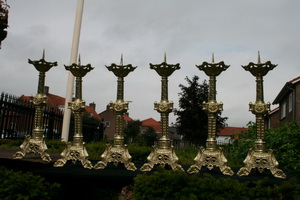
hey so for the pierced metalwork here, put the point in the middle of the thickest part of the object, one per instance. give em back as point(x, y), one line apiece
point(259, 157)
point(118, 152)
point(36, 144)
point(213, 155)
point(163, 152)
point(76, 150)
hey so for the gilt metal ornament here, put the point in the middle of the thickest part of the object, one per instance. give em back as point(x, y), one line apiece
point(76, 150)
point(118, 152)
point(259, 158)
point(36, 144)
point(163, 152)
point(212, 155)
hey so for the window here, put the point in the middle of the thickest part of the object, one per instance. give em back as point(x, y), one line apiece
point(290, 102)
point(283, 110)
point(107, 123)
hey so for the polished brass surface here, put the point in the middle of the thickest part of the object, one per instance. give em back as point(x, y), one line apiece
point(118, 152)
point(76, 150)
point(212, 155)
point(36, 144)
point(258, 157)
point(163, 152)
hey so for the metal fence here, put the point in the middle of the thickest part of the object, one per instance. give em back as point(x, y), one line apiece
point(17, 120)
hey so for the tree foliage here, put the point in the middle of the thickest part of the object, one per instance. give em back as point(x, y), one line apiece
point(191, 120)
point(3, 20)
point(132, 130)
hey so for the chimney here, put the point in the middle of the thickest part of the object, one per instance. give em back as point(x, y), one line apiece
point(93, 105)
point(46, 90)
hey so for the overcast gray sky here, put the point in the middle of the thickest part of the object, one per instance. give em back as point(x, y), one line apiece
point(188, 31)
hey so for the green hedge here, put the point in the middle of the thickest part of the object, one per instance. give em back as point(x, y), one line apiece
point(177, 185)
point(20, 185)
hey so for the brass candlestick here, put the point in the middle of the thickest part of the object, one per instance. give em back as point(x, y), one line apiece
point(76, 149)
point(259, 158)
point(163, 152)
point(212, 155)
point(118, 152)
point(36, 144)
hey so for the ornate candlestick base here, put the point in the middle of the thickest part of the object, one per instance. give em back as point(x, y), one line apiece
point(35, 146)
point(163, 152)
point(162, 156)
point(116, 154)
point(210, 158)
point(258, 157)
point(261, 161)
point(74, 151)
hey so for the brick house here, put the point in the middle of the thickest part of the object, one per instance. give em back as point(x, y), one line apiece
point(289, 105)
point(109, 119)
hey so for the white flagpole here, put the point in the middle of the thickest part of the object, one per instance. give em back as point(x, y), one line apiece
point(70, 84)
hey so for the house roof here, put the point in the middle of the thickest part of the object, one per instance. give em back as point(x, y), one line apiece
point(231, 130)
point(150, 122)
point(286, 89)
point(127, 118)
point(273, 111)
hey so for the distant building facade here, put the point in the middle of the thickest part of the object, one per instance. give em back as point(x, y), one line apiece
point(288, 100)
point(109, 120)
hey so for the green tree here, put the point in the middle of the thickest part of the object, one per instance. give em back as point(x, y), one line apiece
point(150, 136)
point(3, 20)
point(285, 142)
point(191, 120)
point(132, 130)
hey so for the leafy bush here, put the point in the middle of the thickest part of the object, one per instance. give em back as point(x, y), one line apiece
point(139, 153)
point(239, 149)
point(187, 155)
point(11, 144)
point(165, 184)
point(95, 150)
point(285, 141)
point(19, 185)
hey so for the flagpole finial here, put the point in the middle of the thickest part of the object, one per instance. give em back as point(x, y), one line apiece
point(121, 62)
point(258, 60)
point(213, 58)
point(43, 54)
point(165, 58)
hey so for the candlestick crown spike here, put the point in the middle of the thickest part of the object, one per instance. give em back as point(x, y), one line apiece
point(121, 62)
point(213, 58)
point(165, 57)
point(79, 60)
point(43, 57)
point(258, 59)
